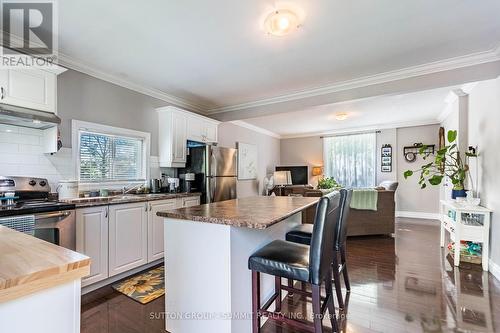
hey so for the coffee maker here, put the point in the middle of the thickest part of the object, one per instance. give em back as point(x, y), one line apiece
point(189, 184)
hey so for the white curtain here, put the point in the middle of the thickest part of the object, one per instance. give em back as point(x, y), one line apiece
point(351, 159)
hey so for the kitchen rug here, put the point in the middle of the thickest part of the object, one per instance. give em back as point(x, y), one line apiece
point(144, 287)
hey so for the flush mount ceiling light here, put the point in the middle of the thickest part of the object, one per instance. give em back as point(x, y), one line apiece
point(281, 22)
point(341, 115)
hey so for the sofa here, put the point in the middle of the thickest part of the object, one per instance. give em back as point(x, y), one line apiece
point(363, 222)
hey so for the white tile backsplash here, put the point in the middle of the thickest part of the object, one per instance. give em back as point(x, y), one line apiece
point(22, 155)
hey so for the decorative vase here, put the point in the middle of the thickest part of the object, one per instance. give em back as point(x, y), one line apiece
point(458, 194)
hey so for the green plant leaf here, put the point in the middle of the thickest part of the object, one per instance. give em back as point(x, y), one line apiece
point(424, 185)
point(408, 173)
point(452, 136)
point(435, 180)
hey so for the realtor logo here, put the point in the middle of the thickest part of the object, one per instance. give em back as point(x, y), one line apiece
point(29, 33)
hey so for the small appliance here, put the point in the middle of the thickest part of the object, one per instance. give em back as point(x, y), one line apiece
point(67, 189)
point(155, 185)
point(173, 184)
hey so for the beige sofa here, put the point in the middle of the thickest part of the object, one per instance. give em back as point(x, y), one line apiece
point(365, 222)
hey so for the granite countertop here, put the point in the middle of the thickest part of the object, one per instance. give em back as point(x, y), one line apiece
point(127, 198)
point(252, 212)
point(29, 264)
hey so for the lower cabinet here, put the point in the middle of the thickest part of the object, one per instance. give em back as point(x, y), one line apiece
point(128, 237)
point(92, 240)
point(155, 228)
point(118, 238)
point(190, 201)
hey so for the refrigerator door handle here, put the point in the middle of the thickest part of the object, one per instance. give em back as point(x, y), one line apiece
point(213, 187)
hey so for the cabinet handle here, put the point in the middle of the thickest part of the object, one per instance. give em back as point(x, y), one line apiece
point(150, 207)
point(146, 207)
point(106, 212)
point(2, 93)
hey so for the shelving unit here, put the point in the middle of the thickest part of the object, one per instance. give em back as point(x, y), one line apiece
point(467, 223)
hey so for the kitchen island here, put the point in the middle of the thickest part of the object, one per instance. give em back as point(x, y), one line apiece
point(208, 283)
point(39, 285)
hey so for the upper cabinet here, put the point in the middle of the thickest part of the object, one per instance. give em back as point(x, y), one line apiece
point(176, 126)
point(30, 88)
point(201, 129)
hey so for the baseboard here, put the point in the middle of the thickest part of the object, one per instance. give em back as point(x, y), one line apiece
point(494, 269)
point(418, 215)
point(100, 284)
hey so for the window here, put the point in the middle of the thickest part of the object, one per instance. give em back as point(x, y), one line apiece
point(351, 159)
point(109, 154)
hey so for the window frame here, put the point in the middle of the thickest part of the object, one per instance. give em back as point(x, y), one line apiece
point(78, 126)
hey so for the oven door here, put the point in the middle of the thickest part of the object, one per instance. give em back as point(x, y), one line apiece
point(57, 227)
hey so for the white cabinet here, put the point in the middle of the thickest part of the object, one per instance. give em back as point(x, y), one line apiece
point(176, 126)
point(201, 129)
point(128, 237)
point(92, 240)
point(31, 88)
point(190, 201)
point(155, 228)
point(172, 127)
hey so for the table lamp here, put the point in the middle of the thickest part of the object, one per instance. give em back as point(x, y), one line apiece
point(317, 171)
point(282, 178)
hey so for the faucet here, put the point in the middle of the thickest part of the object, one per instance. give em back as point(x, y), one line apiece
point(126, 190)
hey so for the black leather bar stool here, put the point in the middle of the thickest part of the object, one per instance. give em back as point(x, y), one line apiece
point(302, 234)
point(308, 264)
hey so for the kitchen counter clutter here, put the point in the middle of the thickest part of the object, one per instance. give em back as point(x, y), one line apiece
point(217, 239)
point(126, 198)
point(39, 285)
point(253, 212)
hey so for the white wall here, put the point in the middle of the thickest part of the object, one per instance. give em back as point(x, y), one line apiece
point(303, 151)
point(268, 155)
point(410, 198)
point(483, 128)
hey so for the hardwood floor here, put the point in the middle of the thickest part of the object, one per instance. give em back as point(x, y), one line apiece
point(400, 284)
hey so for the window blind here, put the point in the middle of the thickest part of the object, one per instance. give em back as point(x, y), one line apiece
point(106, 157)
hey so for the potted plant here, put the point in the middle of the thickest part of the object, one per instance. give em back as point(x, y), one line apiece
point(328, 183)
point(448, 162)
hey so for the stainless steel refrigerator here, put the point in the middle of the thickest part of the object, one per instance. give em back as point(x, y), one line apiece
point(215, 170)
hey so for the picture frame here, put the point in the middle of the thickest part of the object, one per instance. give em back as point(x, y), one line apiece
point(247, 161)
point(386, 158)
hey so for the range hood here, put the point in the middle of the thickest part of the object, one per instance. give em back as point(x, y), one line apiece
point(13, 115)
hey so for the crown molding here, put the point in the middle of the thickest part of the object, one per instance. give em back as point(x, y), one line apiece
point(351, 130)
point(254, 128)
point(414, 71)
point(79, 66)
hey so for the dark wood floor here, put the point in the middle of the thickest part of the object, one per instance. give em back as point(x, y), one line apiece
point(400, 284)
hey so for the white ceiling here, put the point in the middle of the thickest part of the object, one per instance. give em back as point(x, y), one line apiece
point(419, 108)
point(214, 53)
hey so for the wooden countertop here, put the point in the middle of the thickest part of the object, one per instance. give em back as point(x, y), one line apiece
point(252, 212)
point(29, 264)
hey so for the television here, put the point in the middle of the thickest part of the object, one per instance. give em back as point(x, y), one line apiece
point(300, 174)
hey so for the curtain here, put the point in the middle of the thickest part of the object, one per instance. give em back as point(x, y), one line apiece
point(351, 159)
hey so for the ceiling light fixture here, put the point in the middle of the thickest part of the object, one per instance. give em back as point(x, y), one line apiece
point(341, 116)
point(281, 22)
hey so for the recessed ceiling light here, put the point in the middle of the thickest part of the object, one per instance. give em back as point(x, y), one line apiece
point(281, 22)
point(341, 115)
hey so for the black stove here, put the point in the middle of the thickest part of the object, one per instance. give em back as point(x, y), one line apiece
point(30, 196)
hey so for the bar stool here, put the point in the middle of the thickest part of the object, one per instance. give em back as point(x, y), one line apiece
point(308, 264)
point(302, 234)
